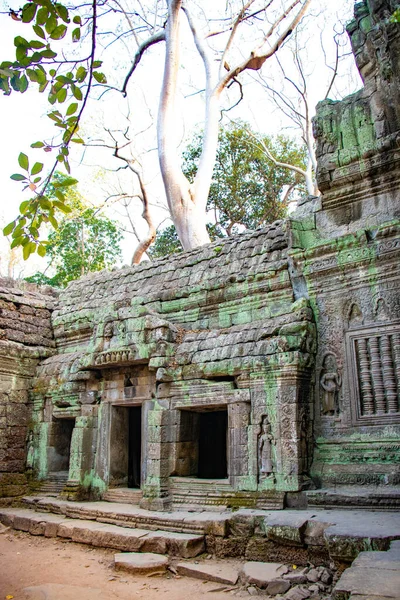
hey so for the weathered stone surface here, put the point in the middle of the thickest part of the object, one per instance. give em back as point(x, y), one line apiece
point(365, 581)
point(299, 592)
point(220, 572)
point(140, 564)
point(278, 586)
point(261, 574)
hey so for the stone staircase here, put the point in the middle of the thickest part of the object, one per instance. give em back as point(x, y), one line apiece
point(123, 495)
point(193, 494)
point(54, 484)
point(38, 520)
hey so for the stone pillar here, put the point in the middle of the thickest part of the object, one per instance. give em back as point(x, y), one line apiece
point(156, 455)
point(238, 442)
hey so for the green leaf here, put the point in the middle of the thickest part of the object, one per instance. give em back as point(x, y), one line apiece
point(97, 64)
point(63, 207)
point(41, 250)
point(78, 141)
point(32, 75)
point(59, 32)
point(41, 76)
point(29, 12)
point(23, 161)
point(81, 73)
point(43, 86)
point(17, 241)
point(23, 84)
point(50, 24)
point(9, 228)
point(100, 77)
point(48, 53)
point(62, 95)
point(21, 53)
point(42, 15)
point(76, 92)
point(18, 177)
point(20, 41)
point(60, 195)
point(37, 167)
point(77, 20)
point(24, 206)
point(76, 34)
point(36, 57)
point(62, 12)
point(39, 31)
point(53, 221)
point(36, 44)
point(29, 249)
point(37, 145)
point(37, 179)
point(45, 204)
point(72, 108)
point(66, 182)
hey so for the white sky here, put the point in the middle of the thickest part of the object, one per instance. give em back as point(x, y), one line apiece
point(23, 121)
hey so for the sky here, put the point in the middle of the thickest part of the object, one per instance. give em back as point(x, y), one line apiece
point(24, 121)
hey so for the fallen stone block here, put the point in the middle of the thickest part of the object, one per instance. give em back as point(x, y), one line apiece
point(278, 586)
point(143, 563)
point(261, 573)
point(220, 573)
point(299, 592)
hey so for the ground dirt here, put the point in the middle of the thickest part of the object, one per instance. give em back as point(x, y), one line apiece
point(27, 561)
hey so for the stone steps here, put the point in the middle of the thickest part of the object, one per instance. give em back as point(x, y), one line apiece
point(190, 493)
point(131, 516)
point(54, 484)
point(372, 498)
point(124, 495)
point(103, 535)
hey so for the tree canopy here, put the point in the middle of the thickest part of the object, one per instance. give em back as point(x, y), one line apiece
point(86, 240)
point(247, 189)
point(239, 37)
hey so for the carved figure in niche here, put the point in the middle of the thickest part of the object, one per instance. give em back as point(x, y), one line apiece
point(265, 458)
point(380, 310)
point(330, 384)
point(355, 316)
point(108, 330)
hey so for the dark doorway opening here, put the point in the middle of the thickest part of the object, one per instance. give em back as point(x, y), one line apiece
point(135, 446)
point(212, 462)
point(60, 444)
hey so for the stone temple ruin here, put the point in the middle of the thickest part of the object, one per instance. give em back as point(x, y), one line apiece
point(259, 371)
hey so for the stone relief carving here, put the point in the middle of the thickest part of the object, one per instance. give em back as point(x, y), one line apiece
point(266, 467)
point(355, 316)
point(330, 384)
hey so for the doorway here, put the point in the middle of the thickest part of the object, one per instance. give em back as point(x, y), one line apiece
point(60, 444)
point(202, 449)
point(135, 446)
point(126, 446)
point(213, 462)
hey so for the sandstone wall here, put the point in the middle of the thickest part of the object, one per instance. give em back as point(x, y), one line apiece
point(25, 338)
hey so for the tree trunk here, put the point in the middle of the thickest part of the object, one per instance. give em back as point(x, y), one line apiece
point(187, 215)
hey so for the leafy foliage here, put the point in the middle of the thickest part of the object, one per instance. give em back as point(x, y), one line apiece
point(395, 18)
point(247, 188)
point(36, 63)
point(85, 241)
